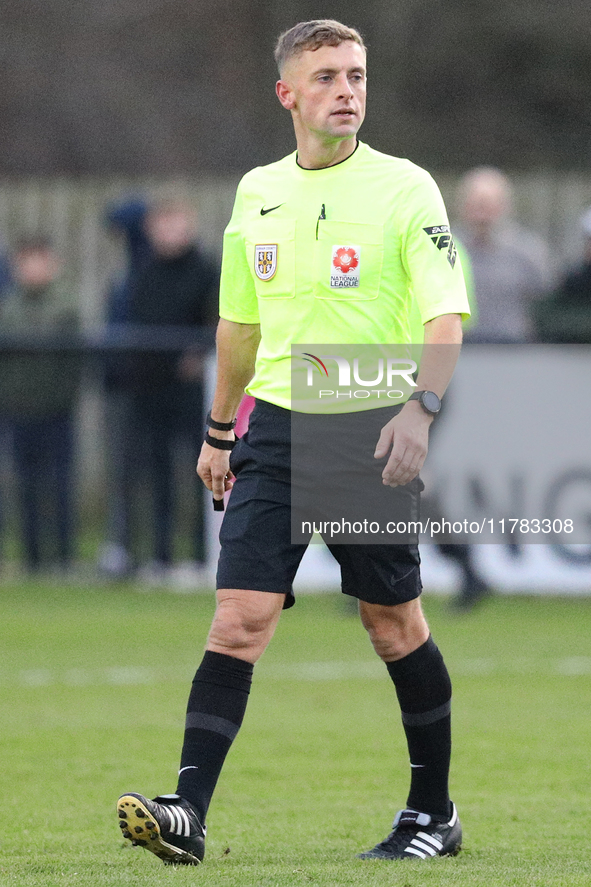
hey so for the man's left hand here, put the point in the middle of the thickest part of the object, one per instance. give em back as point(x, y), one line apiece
point(406, 437)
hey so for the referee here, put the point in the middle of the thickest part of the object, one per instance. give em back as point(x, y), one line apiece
point(331, 199)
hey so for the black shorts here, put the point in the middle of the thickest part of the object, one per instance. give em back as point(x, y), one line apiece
point(256, 548)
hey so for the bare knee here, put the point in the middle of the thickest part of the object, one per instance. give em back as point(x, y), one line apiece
point(394, 631)
point(244, 623)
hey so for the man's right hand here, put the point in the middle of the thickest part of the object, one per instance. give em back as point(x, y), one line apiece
point(213, 466)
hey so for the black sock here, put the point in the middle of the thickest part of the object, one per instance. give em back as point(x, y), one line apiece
point(423, 688)
point(216, 707)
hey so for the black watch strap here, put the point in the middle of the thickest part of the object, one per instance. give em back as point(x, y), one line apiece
point(220, 426)
point(219, 444)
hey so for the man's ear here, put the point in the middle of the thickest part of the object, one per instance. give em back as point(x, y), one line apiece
point(285, 94)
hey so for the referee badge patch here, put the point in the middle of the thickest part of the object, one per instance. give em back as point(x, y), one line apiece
point(345, 267)
point(265, 260)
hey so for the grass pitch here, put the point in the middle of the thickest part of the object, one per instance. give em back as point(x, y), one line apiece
point(93, 686)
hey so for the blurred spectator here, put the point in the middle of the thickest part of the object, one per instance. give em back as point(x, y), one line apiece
point(126, 220)
point(38, 393)
point(565, 317)
point(510, 271)
point(5, 272)
point(176, 287)
point(5, 281)
point(510, 265)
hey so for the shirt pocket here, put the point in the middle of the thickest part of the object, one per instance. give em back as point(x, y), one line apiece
point(270, 247)
point(348, 261)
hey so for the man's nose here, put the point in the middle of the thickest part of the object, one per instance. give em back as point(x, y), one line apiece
point(344, 86)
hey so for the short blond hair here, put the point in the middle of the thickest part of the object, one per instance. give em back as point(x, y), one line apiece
point(311, 36)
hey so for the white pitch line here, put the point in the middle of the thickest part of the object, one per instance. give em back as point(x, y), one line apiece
point(328, 670)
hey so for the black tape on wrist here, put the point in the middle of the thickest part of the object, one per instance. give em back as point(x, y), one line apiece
point(220, 426)
point(219, 444)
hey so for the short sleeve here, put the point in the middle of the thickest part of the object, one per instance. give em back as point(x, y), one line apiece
point(238, 301)
point(429, 253)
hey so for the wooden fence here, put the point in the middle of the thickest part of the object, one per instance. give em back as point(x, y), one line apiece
point(72, 212)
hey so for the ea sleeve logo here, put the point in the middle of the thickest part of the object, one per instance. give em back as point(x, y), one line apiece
point(441, 237)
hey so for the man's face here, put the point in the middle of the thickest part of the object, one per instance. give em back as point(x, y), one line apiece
point(171, 231)
point(484, 201)
point(325, 90)
point(35, 268)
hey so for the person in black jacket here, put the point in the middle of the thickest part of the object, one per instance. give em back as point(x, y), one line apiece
point(565, 317)
point(125, 219)
point(176, 287)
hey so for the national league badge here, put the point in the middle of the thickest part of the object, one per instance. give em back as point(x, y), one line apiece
point(345, 267)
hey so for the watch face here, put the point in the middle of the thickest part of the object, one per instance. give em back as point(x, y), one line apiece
point(431, 402)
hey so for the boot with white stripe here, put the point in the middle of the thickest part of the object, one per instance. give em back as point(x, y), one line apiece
point(419, 836)
point(167, 826)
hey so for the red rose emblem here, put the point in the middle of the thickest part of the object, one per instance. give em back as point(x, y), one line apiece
point(345, 259)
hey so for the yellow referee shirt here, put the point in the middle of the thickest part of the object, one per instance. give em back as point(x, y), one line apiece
point(336, 255)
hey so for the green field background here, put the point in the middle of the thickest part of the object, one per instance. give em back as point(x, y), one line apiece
point(93, 686)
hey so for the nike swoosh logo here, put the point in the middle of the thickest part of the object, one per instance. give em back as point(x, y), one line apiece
point(265, 211)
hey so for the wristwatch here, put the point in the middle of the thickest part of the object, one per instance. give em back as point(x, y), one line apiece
point(430, 402)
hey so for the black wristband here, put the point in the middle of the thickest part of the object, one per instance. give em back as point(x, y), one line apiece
point(219, 444)
point(220, 426)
